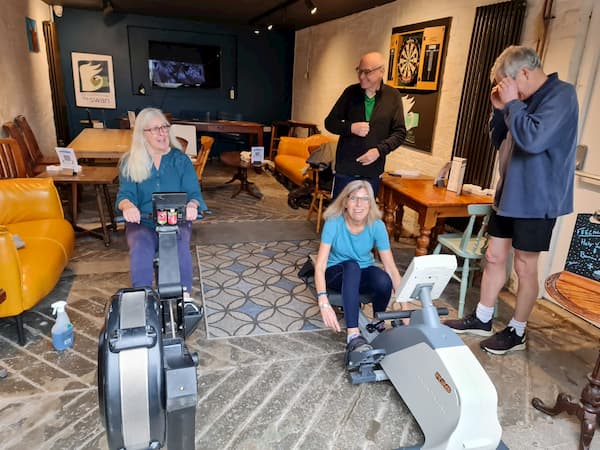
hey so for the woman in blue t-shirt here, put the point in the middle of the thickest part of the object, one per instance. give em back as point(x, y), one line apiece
point(154, 165)
point(345, 261)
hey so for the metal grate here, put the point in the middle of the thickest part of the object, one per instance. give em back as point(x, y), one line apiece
point(496, 27)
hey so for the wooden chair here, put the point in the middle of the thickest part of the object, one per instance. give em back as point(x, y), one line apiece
point(319, 196)
point(31, 167)
point(12, 164)
point(469, 245)
point(206, 143)
point(186, 133)
point(31, 144)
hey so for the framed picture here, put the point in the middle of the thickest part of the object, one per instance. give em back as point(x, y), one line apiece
point(416, 55)
point(32, 35)
point(93, 80)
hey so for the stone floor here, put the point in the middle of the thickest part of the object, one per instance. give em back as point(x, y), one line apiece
point(274, 391)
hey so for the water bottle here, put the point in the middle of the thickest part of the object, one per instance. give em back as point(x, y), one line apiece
point(62, 331)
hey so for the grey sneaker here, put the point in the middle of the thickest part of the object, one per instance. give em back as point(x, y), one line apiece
point(504, 341)
point(470, 324)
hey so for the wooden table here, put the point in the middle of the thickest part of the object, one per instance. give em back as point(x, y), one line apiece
point(579, 295)
point(233, 159)
point(100, 177)
point(429, 201)
point(101, 143)
point(226, 126)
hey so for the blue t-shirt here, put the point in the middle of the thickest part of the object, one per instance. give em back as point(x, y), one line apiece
point(176, 174)
point(346, 246)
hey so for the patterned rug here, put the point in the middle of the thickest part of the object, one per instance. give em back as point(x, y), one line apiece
point(252, 288)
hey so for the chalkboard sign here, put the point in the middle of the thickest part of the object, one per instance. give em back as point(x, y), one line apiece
point(584, 252)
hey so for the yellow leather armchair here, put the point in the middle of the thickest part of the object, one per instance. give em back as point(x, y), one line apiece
point(31, 209)
point(292, 154)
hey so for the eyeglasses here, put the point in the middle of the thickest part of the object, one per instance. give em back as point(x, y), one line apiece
point(163, 129)
point(366, 72)
point(357, 199)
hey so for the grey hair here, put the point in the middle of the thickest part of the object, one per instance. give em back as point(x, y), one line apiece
point(338, 206)
point(137, 163)
point(513, 59)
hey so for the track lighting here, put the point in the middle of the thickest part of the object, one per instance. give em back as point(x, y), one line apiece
point(311, 6)
point(269, 27)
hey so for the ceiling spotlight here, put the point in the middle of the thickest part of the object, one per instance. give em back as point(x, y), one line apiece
point(256, 31)
point(269, 27)
point(311, 6)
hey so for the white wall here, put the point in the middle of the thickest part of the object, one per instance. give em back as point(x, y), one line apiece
point(25, 86)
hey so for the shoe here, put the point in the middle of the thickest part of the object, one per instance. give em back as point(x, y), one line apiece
point(470, 324)
point(504, 341)
point(191, 308)
point(357, 345)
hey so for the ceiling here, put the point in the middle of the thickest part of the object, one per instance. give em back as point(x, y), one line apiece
point(282, 14)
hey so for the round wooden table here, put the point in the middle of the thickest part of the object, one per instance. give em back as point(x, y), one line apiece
point(233, 159)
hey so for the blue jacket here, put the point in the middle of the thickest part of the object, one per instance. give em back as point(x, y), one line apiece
point(537, 178)
point(176, 174)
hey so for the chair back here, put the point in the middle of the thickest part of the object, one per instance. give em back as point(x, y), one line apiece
point(13, 132)
point(187, 133)
point(12, 164)
point(31, 143)
point(470, 242)
point(206, 143)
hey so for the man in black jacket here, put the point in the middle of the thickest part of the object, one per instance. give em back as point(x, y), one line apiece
point(369, 119)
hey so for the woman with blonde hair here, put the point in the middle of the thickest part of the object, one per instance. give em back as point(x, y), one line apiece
point(153, 164)
point(345, 262)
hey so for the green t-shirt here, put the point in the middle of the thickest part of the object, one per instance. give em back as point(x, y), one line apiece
point(369, 104)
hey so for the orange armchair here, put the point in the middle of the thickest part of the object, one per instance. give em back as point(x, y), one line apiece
point(31, 209)
point(292, 154)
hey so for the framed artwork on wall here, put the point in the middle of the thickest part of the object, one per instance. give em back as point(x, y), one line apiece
point(32, 35)
point(93, 80)
point(415, 68)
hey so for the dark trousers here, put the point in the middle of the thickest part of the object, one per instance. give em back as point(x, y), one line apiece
point(349, 279)
point(143, 245)
point(340, 181)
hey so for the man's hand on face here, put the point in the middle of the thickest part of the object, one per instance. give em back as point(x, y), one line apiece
point(506, 90)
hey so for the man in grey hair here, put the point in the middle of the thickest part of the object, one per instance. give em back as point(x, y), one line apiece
point(534, 127)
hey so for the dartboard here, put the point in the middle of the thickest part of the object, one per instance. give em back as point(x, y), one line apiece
point(408, 61)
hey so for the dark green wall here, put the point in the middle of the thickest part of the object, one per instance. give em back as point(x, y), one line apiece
point(259, 67)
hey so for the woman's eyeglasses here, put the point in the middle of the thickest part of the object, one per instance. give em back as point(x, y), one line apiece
point(358, 199)
point(163, 129)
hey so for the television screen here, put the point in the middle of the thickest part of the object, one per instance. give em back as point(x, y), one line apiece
point(174, 65)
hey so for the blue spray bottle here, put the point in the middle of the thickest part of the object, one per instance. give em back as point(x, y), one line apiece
point(62, 331)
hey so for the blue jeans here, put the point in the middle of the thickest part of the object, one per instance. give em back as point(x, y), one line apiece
point(340, 181)
point(349, 279)
point(143, 245)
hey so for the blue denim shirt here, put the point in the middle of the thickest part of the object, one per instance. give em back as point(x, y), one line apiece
point(176, 174)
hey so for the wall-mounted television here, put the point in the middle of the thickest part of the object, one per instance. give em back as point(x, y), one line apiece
point(173, 65)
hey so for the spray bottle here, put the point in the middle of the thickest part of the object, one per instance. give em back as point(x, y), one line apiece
point(62, 331)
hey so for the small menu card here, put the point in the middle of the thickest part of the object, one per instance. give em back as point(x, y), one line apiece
point(67, 158)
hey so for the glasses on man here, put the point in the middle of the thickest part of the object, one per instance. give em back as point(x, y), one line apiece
point(155, 131)
point(358, 199)
point(366, 72)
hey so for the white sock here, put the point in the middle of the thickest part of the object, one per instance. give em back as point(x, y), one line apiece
point(484, 313)
point(518, 326)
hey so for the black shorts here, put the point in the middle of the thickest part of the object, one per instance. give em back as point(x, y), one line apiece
point(529, 235)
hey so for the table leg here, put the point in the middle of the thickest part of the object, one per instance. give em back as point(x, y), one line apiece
point(587, 410)
point(388, 210)
point(398, 222)
point(423, 241)
point(105, 235)
point(109, 206)
point(74, 203)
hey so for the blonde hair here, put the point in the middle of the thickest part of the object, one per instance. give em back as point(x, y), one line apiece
point(338, 207)
point(513, 59)
point(137, 163)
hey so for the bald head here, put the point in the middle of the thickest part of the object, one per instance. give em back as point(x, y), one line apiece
point(370, 72)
